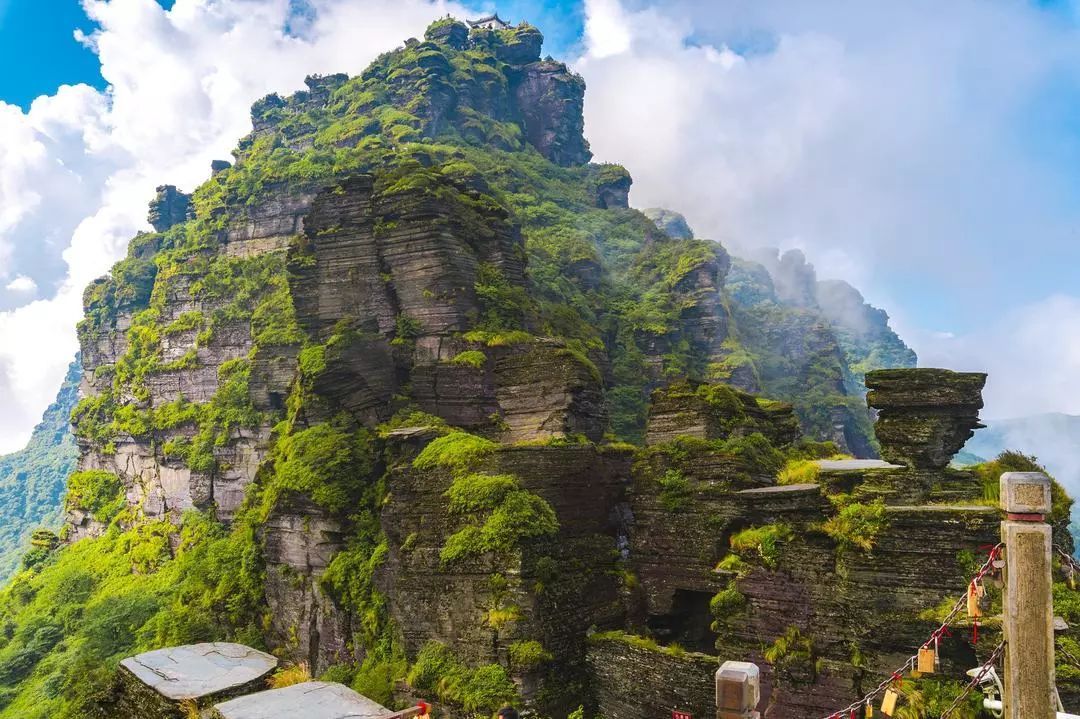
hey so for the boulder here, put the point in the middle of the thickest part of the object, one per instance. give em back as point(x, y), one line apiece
point(672, 224)
point(613, 187)
point(520, 46)
point(448, 31)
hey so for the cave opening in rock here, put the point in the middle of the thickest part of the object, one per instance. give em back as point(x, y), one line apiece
point(689, 624)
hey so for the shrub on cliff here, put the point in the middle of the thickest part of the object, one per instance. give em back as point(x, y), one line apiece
point(97, 492)
point(856, 526)
point(764, 541)
point(328, 464)
point(442, 675)
point(1010, 461)
point(519, 516)
point(456, 451)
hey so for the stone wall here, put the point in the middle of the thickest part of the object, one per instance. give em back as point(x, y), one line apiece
point(636, 679)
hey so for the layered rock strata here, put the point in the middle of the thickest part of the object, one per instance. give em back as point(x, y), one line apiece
point(355, 372)
point(727, 563)
point(925, 416)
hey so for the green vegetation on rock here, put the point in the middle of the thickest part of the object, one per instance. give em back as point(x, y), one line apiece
point(32, 480)
point(479, 691)
point(97, 492)
point(70, 619)
point(436, 125)
point(856, 526)
point(764, 542)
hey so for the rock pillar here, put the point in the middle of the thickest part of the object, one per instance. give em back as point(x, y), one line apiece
point(925, 416)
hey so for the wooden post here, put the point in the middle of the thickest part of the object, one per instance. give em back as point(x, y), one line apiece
point(1028, 599)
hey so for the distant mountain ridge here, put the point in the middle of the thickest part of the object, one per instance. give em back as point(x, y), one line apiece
point(33, 480)
point(1053, 438)
point(802, 340)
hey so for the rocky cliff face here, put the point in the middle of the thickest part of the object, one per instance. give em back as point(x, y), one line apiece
point(795, 338)
point(409, 394)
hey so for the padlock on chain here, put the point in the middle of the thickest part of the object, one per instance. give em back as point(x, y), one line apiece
point(888, 702)
point(927, 660)
point(973, 596)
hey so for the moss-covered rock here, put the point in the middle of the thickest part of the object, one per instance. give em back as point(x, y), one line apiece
point(717, 411)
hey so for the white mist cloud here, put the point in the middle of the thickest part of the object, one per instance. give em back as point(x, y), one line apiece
point(79, 167)
point(1031, 353)
point(910, 148)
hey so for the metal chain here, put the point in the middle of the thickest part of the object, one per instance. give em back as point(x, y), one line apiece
point(1068, 655)
point(975, 681)
point(912, 661)
point(1067, 557)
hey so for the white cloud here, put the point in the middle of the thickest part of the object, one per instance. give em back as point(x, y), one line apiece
point(21, 284)
point(78, 168)
point(1032, 355)
point(901, 145)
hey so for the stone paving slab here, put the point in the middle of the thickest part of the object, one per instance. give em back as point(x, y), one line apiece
point(783, 489)
point(854, 465)
point(310, 700)
point(199, 670)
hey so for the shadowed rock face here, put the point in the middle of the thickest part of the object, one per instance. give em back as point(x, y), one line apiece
point(170, 207)
point(551, 100)
point(925, 415)
point(613, 187)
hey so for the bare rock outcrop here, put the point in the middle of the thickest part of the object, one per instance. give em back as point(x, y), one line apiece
point(169, 207)
point(551, 100)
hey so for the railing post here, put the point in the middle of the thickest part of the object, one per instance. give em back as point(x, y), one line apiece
point(738, 690)
point(1028, 599)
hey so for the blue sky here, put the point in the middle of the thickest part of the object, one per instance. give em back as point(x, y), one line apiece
point(37, 37)
point(927, 152)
